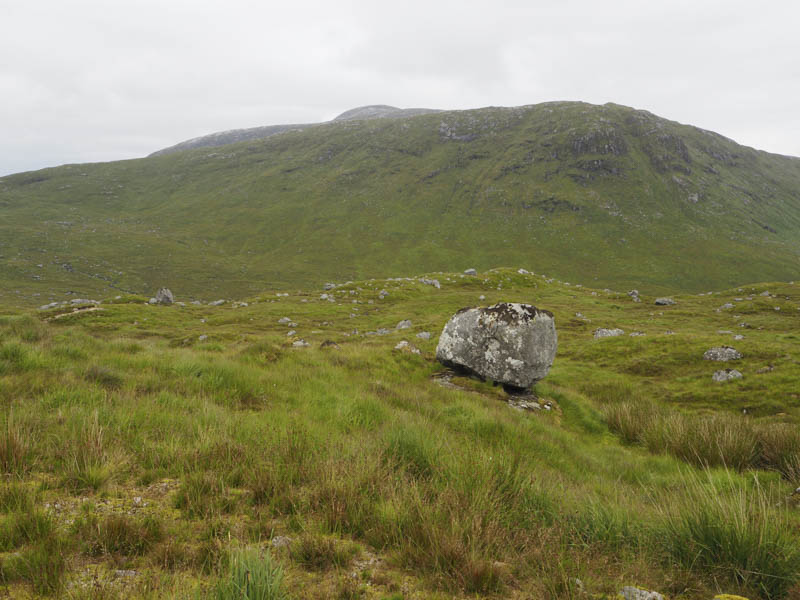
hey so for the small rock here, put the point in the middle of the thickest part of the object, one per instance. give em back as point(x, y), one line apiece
point(300, 344)
point(726, 306)
point(481, 297)
point(726, 375)
point(523, 272)
point(217, 303)
point(664, 302)
point(470, 272)
point(633, 593)
point(404, 324)
point(152, 301)
point(634, 294)
point(283, 320)
point(636, 334)
point(290, 333)
point(328, 286)
point(281, 541)
point(738, 337)
point(125, 573)
point(722, 354)
point(202, 338)
point(424, 335)
point(604, 333)
point(434, 282)
point(764, 293)
point(766, 369)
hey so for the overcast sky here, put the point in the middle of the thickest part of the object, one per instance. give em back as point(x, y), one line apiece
point(98, 80)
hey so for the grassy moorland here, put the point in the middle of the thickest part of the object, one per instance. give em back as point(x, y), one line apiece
point(606, 195)
point(193, 451)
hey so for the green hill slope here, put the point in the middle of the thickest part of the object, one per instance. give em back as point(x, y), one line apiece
point(605, 195)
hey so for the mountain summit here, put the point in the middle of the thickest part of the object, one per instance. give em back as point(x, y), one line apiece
point(221, 138)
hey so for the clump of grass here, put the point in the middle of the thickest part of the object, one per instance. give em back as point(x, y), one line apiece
point(26, 327)
point(740, 534)
point(86, 466)
point(318, 553)
point(14, 448)
point(251, 576)
point(15, 498)
point(780, 449)
point(104, 377)
point(22, 528)
point(42, 565)
point(202, 494)
point(117, 534)
point(630, 420)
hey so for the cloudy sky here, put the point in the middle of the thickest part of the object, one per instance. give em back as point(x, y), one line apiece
point(97, 80)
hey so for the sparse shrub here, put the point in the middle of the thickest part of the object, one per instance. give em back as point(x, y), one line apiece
point(741, 535)
point(251, 576)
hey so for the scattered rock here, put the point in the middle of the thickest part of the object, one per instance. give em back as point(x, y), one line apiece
point(202, 338)
point(434, 282)
point(510, 343)
point(424, 335)
point(726, 375)
point(328, 286)
point(633, 593)
point(664, 302)
point(283, 320)
point(634, 294)
point(164, 296)
point(281, 541)
point(300, 344)
point(470, 272)
point(481, 297)
point(217, 303)
point(764, 293)
point(523, 272)
point(404, 324)
point(404, 345)
point(637, 334)
point(604, 333)
point(290, 333)
point(124, 573)
point(766, 369)
point(726, 306)
point(738, 337)
point(722, 353)
point(328, 297)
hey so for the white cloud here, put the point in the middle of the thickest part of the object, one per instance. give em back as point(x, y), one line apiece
point(91, 80)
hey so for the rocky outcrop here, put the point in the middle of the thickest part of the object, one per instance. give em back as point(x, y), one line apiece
point(164, 296)
point(509, 343)
point(722, 354)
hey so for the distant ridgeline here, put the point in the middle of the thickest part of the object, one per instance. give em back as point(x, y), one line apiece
point(604, 195)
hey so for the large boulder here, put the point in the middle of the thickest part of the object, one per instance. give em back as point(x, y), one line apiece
point(164, 296)
point(509, 343)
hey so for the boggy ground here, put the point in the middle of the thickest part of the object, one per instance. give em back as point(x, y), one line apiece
point(140, 461)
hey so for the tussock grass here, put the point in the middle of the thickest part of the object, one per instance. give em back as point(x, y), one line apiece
point(15, 445)
point(741, 534)
point(251, 576)
point(117, 534)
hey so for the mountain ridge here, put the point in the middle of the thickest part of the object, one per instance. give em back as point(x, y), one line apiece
point(607, 196)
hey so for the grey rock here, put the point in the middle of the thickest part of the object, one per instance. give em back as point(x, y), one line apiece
point(49, 306)
point(634, 294)
point(633, 593)
point(722, 353)
point(404, 324)
point(434, 282)
point(604, 333)
point(424, 335)
point(726, 306)
point(726, 375)
point(152, 301)
point(202, 338)
point(164, 296)
point(470, 272)
point(328, 286)
point(300, 344)
point(637, 334)
point(523, 272)
point(281, 541)
point(283, 320)
point(481, 297)
point(217, 303)
point(513, 344)
point(738, 337)
point(664, 302)
point(290, 333)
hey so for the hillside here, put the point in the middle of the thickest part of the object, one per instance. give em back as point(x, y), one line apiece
point(146, 448)
point(606, 195)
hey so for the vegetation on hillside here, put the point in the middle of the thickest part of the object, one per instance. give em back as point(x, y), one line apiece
point(606, 195)
point(195, 451)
